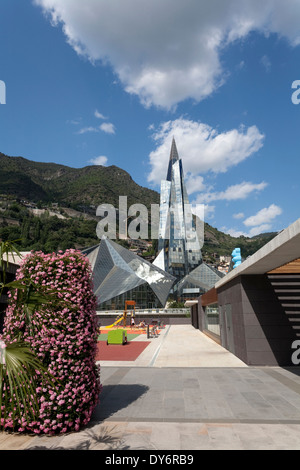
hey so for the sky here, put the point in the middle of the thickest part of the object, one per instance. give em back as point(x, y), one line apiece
point(112, 82)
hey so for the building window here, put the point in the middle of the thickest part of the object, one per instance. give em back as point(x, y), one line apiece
point(211, 317)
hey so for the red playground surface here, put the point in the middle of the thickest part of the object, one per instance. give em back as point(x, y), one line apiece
point(118, 352)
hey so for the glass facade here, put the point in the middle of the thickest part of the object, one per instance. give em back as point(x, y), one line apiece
point(178, 238)
point(119, 275)
point(143, 295)
point(179, 246)
point(203, 277)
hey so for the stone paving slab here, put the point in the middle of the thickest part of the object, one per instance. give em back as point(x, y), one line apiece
point(180, 346)
point(235, 395)
point(153, 404)
point(176, 436)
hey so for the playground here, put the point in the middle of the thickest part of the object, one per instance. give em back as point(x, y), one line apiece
point(124, 340)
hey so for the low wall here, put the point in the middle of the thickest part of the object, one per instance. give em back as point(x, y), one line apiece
point(167, 317)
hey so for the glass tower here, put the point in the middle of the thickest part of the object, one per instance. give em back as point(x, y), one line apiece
point(179, 248)
point(178, 241)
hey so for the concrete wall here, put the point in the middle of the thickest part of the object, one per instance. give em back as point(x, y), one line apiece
point(232, 329)
point(106, 320)
point(261, 329)
point(198, 316)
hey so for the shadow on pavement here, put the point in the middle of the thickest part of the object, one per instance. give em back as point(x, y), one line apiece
point(90, 439)
point(114, 398)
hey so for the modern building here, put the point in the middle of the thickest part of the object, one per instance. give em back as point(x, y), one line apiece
point(120, 275)
point(254, 310)
point(179, 240)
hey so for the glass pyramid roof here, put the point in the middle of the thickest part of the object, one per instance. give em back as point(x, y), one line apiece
point(117, 270)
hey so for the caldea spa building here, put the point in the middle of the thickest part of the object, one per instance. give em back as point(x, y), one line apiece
point(178, 269)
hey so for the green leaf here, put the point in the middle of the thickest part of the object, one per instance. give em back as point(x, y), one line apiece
point(8, 248)
point(18, 382)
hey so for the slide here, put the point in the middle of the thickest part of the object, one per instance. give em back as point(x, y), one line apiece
point(116, 322)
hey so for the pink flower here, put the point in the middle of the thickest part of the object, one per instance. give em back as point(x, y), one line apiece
point(61, 335)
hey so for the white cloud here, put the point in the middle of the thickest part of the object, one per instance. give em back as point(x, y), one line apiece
point(201, 147)
point(259, 223)
point(85, 130)
point(108, 128)
point(101, 160)
point(75, 122)
point(264, 216)
point(167, 51)
point(99, 115)
point(266, 63)
point(233, 232)
point(234, 192)
point(259, 229)
point(194, 184)
point(239, 215)
point(252, 232)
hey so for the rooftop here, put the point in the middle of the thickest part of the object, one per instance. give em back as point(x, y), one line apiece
point(282, 249)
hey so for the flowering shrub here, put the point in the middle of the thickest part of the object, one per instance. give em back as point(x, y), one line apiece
point(63, 334)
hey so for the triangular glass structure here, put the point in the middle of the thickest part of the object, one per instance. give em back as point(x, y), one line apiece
point(179, 246)
point(178, 238)
point(120, 275)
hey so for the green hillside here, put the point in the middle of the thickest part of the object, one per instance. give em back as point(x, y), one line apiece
point(75, 194)
point(73, 187)
point(221, 243)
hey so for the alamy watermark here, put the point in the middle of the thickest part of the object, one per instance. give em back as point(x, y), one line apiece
point(296, 94)
point(296, 354)
point(179, 221)
point(2, 92)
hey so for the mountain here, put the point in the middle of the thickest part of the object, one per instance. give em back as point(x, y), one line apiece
point(73, 187)
point(219, 243)
point(75, 193)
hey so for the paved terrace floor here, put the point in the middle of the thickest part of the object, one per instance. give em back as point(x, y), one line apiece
point(185, 392)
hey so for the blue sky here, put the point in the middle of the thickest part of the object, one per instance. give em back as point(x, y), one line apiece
point(111, 83)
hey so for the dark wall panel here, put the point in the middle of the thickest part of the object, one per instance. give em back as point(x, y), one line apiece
point(265, 317)
point(269, 341)
point(230, 298)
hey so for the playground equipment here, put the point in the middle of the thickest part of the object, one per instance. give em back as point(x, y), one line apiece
point(117, 337)
point(118, 320)
point(128, 303)
point(124, 315)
